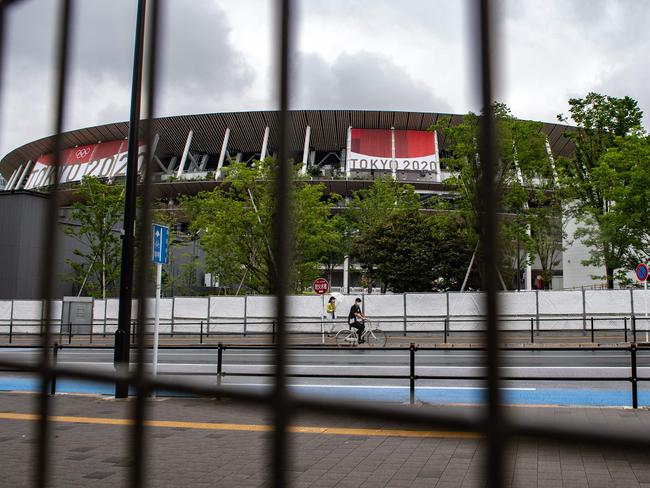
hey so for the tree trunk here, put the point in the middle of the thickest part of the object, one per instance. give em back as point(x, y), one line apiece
point(610, 277)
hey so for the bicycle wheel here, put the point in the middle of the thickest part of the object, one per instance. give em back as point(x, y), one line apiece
point(376, 338)
point(346, 337)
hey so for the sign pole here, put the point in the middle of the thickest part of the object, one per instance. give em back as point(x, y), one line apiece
point(160, 256)
point(645, 301)
point(156, 320)
point(323, 311)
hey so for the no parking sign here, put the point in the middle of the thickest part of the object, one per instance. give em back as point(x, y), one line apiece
point(641, 272)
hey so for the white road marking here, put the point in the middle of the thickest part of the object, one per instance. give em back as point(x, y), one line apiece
point(385, 387)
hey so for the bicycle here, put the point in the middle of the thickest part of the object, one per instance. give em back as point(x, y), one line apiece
point(373, 336)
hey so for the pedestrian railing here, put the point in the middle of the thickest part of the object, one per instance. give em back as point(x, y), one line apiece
point(410, 357)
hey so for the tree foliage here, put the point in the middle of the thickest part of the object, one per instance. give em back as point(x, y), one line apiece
point(610, 157)
point(235, 226)
point(96, 267)
point(522, 174)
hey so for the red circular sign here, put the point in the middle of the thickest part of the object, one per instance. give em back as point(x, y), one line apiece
point(321, 286)
point(642, 272)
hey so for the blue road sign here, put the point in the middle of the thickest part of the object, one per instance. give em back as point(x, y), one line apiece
point(160, 240)
point(642, 272)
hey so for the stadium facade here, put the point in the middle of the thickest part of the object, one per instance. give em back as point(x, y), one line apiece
point(343, 149)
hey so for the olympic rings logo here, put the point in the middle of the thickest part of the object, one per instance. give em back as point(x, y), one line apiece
point(82, 153)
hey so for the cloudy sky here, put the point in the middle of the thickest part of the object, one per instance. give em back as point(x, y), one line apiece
point(217, 55)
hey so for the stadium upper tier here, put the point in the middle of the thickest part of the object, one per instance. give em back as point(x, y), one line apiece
point(344, 147)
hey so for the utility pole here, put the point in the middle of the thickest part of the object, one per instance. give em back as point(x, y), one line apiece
point(122, 352)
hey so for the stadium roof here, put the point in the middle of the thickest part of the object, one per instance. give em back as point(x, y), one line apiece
point(328, 131)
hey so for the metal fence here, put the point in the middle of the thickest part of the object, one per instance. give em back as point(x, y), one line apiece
point(494, 424)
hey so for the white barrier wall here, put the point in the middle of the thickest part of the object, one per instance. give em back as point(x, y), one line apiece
point(549, 310)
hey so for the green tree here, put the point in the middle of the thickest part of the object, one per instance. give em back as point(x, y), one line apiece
point(235, 219)
point(367, 213)
point(597, 177)
point(96, 269)
point(399, 251)
point(522, 165)
point(451, 244)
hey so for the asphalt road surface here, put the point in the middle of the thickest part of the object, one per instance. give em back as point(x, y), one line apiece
point(246, 369)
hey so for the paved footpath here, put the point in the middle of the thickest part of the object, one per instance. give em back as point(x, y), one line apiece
point(201, 443)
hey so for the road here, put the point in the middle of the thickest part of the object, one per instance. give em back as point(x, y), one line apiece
point(243, 367)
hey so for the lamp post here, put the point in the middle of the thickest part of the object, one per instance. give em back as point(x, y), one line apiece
point(122, 351)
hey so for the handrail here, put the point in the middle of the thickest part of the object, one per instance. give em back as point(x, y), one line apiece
point(412, 350)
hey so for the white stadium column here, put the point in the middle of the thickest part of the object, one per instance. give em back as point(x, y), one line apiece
point(305, 151)
point(439, 173)
point(392, 150)
point(186, 151)
point(14, 178)
point(265, 144)
point(529, 266)
point(222, 155)
point(21, 179)
point(348, 152)
point(346, 274)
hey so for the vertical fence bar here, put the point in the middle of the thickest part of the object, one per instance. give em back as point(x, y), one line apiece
point(634, 378)
point(494, 425)
point(584, 311)
point(412, 373)
point(537, 307)
point(532, 331)
point(625, 329)
point(201, 336)
point(219, 365)
point(246, 316)
point(445, 331)
point(592, 329)
point(146, 38)
point(634, 327)
point(50, 251)
point(207, 319)
point(55, 356)
point(282, 411)
point(404, 295)
point(173, 311)
point(11, 311)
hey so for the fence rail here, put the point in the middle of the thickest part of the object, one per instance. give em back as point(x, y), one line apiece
point(410, 352)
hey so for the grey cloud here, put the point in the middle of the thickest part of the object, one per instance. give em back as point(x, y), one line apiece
point(197, 53)
point(361, 80)
point(198, 63)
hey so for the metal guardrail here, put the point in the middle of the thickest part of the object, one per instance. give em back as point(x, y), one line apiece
point(412, 377)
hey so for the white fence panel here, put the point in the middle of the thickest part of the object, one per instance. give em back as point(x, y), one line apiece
point(426, 304)
point(608, 302)
point(5, 313)
point(227, 314)
point(466, 304)
point(560, 303)
point(518, 303)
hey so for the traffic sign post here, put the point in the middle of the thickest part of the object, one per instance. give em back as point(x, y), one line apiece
point(160, 256)
point(321, 286)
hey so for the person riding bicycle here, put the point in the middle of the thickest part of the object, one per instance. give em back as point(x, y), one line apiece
point(356, 318)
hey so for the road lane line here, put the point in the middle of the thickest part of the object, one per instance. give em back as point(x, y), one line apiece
point(380, 432)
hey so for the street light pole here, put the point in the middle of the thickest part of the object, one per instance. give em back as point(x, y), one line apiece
point(122, 334)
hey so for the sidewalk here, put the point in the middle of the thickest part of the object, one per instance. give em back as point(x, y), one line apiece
point(201, 443)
